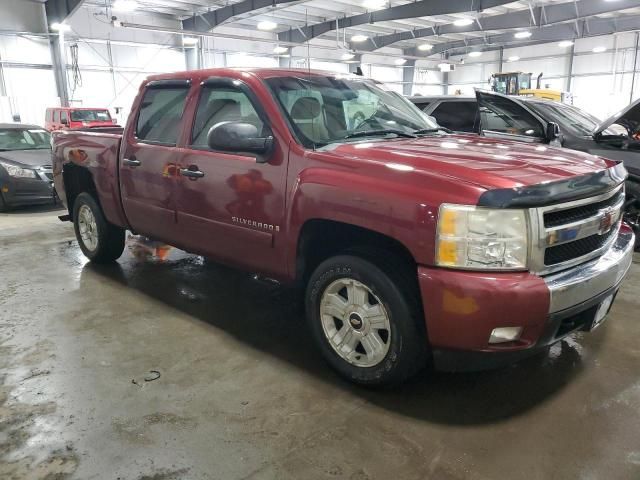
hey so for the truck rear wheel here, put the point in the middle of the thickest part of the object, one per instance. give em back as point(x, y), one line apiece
point(365, 322)
point(3, 205)
point(100, 241)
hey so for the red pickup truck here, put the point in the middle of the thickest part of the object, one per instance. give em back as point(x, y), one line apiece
point(414, 245)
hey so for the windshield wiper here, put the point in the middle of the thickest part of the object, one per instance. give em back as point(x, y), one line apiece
point(432, 130)
point(374, 133)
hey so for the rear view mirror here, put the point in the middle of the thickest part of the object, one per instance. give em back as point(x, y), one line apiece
point(553, 131)
point(238, 137)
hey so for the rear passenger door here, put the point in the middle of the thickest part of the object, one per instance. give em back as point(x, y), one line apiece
point(506, 118)
point(459, 116)
point(148, 159)
point(233, 210)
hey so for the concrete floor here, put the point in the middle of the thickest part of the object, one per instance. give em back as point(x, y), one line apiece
point(243, 393)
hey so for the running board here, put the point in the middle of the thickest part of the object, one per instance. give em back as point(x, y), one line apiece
point(64, 218)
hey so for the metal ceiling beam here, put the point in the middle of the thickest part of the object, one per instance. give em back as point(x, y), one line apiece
point(420, 8)
point(553, 13)
point(59, 10)
point(554, 33)
point(213, 18)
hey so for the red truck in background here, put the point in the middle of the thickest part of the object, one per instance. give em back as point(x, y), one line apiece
point(64, 118)
point(413, 244)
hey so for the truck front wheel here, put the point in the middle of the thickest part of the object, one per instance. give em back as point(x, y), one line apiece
point(100, 241)
point(365, 321)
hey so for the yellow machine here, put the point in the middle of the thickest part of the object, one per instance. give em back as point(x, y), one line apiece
point(519, 83)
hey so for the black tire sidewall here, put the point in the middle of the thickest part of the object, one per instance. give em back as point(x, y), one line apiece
point(404, 349)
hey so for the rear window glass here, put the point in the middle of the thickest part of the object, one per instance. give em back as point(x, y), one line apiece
point(160, 114)
point(90, 115)
point(458, 116)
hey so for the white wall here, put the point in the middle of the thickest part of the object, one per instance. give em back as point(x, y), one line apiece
point(600, 83)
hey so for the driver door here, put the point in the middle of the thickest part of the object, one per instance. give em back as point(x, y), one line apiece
point(506, 118)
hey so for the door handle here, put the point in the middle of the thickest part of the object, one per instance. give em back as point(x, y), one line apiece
point(131, 162)
point(192, 172)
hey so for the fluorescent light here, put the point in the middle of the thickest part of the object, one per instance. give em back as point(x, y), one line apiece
point(514, 58)
point(463, 22)
point(359, 38)
point(279, 49)
point(189, 40)
point(347, 56)
point(267, 25)
point(400, 61)
point(599, 49)
point(475, 53)
point(444, 67)
point(124, 5)
point(425, 47)
point(524, 34)
point(565, 44)
point(374, 4)
point(60, 27)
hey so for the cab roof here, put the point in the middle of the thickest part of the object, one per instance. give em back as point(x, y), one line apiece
point(261, 73)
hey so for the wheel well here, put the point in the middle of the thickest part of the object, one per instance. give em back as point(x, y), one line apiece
point(321, 239)
point(76, 181)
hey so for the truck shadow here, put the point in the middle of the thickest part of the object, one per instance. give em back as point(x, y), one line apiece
point(262, 314)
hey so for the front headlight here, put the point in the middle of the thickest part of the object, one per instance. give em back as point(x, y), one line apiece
point(481, 238)
point(16, 171)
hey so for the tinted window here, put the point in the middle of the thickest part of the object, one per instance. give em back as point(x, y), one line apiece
point(504, 116)
point(421, 104)
point(458, 116)
point(571, 118)
point(160, 115)
point(222, 104)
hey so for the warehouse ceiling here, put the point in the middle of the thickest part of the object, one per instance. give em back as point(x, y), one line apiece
point(405, 24)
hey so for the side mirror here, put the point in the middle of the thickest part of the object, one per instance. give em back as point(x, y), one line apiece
point(239, 137)
point(553, 131)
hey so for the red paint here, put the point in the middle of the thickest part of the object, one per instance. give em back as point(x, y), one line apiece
point(250, 215)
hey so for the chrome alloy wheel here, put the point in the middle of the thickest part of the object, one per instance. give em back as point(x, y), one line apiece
point(88, 228)
point(355, 322)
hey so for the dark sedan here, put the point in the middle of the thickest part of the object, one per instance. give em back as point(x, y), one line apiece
point(26, 177)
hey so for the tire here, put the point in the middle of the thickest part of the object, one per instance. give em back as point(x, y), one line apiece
point(404, 348)
point(3, 206)
point(104, 242)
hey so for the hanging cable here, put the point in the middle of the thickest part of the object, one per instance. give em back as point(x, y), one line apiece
point(76, 75)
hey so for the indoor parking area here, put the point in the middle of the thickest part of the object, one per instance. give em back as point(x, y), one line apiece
point(337, 239)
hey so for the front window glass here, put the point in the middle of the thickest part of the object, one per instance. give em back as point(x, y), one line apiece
point(24, 139)
point(570, 118)
point(160, 115)
point(504, 116)
point(324, 110)
point(90, 115)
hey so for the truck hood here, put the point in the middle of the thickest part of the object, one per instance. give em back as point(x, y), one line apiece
point(628, 117)
point(27, 158)
point(480, 161)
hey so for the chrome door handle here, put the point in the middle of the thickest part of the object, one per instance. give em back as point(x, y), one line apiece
point(131, 162)
point(191, 174)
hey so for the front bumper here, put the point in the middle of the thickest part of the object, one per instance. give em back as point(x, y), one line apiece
point(17, 191)
point(462, 308)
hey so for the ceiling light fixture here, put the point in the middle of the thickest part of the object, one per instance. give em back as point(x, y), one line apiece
point(400, 61)
point(359, 38)
point(374, 4)
point(565, 44)
point(475, 53)
point(267, 25)
point(525, 34)
point(425, 47)
point(60, 27)
point(279, 49)
point(347, 56)
point(514, 58)
point(599, 49)
point(124, 5)
point(463, 22)
point(190, 40)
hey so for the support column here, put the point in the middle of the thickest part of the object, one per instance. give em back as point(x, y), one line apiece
point(635, 67)
point(501, 59)
point(408, 73)
point(59, 64)
point(284, 62)
point(193, 56)
point(570, 68)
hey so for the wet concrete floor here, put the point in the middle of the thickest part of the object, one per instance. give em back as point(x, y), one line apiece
point(181, 370)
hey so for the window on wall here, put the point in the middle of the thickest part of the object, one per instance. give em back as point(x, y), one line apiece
point(160, 115)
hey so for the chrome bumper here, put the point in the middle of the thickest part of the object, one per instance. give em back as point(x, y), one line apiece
point(585, 282)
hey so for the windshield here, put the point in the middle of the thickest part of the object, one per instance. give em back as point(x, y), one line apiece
point(24, 139)
point(324, 110)
point(90, 115)
point(571, 118)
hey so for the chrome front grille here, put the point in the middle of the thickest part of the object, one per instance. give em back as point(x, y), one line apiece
point(571, 233)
